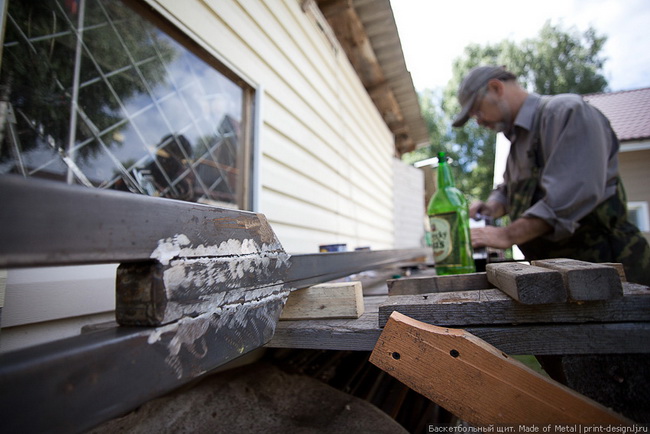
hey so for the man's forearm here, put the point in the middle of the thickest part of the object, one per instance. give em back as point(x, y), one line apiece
point(527, 228)
point(518, 232)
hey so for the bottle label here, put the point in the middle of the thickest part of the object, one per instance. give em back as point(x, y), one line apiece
point(441, 225)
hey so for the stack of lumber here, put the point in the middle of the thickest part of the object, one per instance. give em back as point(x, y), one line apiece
point(558, 306)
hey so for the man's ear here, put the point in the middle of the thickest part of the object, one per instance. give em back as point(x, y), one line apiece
point(496, 86)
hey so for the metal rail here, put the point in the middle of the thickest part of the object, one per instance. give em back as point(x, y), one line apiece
point(192, 326)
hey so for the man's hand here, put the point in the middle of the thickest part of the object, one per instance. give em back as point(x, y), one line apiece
point(491, 209)
point(518, 232)
point(491, 236)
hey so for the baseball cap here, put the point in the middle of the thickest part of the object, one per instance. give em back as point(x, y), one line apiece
point(474, 81)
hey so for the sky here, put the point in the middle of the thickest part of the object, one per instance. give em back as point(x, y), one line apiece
point(434, 32)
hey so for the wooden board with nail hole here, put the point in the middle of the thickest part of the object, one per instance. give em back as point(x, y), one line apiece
point(477, 382)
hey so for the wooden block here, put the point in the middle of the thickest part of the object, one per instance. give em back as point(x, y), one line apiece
point(526, 283)
point(327, 300)
point(584, 280)
point(492, 306)
point(619, 269)
point(424, 285)
point(477, 382)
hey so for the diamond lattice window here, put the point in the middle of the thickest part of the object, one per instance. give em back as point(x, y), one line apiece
point(93, 93)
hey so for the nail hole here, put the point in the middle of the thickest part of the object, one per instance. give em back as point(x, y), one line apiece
point(454, 353)
point(396, 356)
point(426, 297)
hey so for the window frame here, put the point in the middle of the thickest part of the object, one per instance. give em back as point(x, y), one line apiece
point(246, 189)
point(248, 185)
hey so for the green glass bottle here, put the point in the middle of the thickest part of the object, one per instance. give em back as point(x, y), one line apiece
point(449, 217)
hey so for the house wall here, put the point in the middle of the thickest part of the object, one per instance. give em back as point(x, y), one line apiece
point(325, 169)
point(325, 174)
point(634, 167)
point(409, 205)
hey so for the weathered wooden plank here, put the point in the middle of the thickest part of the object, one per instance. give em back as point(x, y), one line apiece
point(488, 386)
point(550, 339)
point(359, 334)
point(526, 283)
point(584, 280)
point(619, 269)
point(425, 285)
point(545, 339)
point(327, 300)
point(491, 306)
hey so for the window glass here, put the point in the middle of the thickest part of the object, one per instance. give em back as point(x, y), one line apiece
point(95, 94)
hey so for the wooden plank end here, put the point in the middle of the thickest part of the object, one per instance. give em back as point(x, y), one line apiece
point(586, 281)
point(527, 284)
point(327, 300)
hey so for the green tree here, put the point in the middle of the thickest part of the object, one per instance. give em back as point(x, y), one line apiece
point(556, 61)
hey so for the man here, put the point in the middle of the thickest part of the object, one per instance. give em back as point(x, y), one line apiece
point(561, 187)
point(564, 196)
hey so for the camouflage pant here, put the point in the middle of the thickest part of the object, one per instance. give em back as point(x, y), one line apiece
point(604, 235)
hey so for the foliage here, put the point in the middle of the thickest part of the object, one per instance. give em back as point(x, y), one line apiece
point(556, 61)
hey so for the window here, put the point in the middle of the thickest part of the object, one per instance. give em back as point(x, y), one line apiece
point(93, 93)
point(637, 213)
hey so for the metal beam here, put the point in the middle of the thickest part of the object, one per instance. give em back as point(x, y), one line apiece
point(207, 283)
point(46, 223)
point(74, 384)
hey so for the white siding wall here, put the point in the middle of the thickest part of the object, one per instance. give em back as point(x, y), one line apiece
point(409, 206)
point(326, 169)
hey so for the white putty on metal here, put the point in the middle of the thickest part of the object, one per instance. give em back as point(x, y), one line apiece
point(190, 332)
point(215, 271)
point(179, 246)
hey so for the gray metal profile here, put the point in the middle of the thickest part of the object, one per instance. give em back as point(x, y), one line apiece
point(74, 384)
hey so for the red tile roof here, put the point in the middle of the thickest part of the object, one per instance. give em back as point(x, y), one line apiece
point(628, 111)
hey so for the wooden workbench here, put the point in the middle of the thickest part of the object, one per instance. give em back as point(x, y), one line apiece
point(585, 337)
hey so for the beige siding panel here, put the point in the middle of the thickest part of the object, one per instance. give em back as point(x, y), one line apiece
point(288, 181)
point(350, 90)
point(634, 167)
point(346, 217)
point(15, 338)
point(409, 206)
point(336, 171)
point(307, 240)
point(326, 152)
point(291, 211)
point(298, 213)
point(49, 293)
point(291, 44)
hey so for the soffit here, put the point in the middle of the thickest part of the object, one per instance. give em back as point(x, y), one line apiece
point(367, 32)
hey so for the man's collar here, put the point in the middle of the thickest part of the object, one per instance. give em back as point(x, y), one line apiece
point(526, 115)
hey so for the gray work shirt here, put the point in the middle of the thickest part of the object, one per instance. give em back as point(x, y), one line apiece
point(580, 160)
